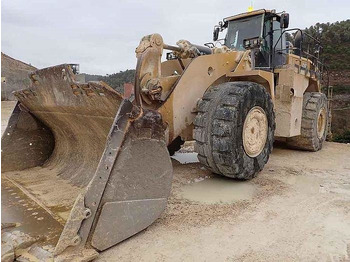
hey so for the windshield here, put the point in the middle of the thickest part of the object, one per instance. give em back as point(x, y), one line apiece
point(241, 29)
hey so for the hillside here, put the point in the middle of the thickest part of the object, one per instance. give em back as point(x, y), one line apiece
point(335, 39)
point(14, 76)
point(115, 80)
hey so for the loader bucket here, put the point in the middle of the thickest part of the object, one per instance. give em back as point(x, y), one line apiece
point(82, 169)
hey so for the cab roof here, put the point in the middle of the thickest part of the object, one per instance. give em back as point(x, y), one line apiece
point(248, 14)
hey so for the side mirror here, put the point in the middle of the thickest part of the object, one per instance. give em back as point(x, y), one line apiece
point(284, 22)
point(216, 33)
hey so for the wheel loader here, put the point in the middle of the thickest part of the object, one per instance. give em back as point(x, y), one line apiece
point(84, 169)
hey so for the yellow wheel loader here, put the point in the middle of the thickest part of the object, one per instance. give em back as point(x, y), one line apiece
point(83, 169)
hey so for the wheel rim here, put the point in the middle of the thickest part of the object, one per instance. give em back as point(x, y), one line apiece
point(321, 122)
point(255, 131)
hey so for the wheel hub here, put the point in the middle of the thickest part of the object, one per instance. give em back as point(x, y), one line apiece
point(255, 131)
point(321, 122)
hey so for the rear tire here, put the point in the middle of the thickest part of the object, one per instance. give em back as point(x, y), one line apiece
point(222, 123)
point(314, 123)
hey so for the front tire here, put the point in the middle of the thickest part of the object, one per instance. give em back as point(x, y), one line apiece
point(234, 129)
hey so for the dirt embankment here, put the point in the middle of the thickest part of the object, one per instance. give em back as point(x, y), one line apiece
point(340, 78)
point(340, 104)
point(14, 76)
point(341, 114)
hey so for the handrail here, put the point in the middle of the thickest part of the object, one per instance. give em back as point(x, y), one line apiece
point(319, 66)
point(300, 47)
point(301, 31)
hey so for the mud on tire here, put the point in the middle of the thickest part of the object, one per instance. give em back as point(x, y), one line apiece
point(314, 123)
point(219, 126)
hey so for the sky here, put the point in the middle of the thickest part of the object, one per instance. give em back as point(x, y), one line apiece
point(102, 35)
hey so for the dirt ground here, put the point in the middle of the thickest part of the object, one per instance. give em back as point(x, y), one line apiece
point(297, 209)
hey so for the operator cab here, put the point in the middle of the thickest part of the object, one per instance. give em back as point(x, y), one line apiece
point(261, 31)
